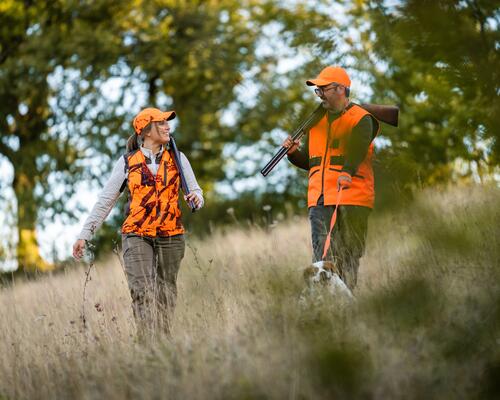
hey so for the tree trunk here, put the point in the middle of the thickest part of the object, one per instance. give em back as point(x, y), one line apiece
point(28, 252)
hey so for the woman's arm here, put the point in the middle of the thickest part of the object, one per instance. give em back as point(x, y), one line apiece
point(191, 180)
point(105, 202)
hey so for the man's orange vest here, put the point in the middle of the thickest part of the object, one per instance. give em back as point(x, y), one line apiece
point(153, 208)
point(327, 144)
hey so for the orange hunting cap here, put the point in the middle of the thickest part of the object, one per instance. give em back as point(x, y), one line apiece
point(150, 115)
point(329, 75)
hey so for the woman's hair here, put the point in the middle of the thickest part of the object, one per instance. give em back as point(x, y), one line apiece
point(135, 141)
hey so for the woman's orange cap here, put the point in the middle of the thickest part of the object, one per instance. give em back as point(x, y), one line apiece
point(329, 75)
point(149, 115)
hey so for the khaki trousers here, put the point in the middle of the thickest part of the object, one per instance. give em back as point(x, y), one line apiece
point(151, 266)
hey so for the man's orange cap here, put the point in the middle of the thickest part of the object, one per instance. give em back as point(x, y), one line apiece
point(329, 75)
point(150, 115)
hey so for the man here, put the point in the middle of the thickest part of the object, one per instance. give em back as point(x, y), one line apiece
point(337, 152)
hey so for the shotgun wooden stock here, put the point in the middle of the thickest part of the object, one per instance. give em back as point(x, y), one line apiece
point(387, 114)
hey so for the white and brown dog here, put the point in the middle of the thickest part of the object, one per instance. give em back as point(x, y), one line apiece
point(327, 275)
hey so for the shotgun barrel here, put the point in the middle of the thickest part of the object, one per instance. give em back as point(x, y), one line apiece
point(177, 159)
point(297, 134)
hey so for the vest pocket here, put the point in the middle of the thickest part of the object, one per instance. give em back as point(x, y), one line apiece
point(337, 160)
point(334, 169)
point(313, 172)
point(339, 170)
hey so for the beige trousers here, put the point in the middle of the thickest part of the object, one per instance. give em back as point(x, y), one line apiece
point(151, 266)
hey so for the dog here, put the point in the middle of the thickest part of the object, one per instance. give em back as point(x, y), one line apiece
point(327, 275)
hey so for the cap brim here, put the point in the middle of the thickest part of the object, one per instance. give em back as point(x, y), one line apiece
point(167, 115)
point(318, 82)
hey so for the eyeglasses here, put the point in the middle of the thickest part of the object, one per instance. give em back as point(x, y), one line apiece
point(320, 91)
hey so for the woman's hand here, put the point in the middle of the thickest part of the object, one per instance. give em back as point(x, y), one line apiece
point(78, 248)
point(194, 198)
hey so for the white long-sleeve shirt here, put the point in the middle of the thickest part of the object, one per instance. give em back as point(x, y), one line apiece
point(111, 191)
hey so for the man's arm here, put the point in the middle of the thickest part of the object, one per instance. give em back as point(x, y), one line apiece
point(300, 157)
point(359, 141)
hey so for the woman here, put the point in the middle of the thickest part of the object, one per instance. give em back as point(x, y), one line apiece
point(152, 233)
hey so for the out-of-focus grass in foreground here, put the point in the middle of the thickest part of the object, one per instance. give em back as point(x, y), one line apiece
point(426, 323)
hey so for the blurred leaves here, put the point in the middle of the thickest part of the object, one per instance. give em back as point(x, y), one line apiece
point(341, 369)
point(439, 61)
point(73, 74)
point(69, 71)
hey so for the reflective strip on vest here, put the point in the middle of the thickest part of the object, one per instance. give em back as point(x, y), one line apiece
point(326, 158)
point(153, 203)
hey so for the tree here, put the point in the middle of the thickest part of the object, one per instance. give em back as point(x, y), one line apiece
point(439, 61)
point(51, 55)
point(57, 57)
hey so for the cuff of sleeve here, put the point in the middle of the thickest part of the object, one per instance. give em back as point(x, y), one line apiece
point(85, 235)
point(202, 200)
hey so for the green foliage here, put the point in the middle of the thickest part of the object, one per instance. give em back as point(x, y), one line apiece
point(45, 48)
point(406, 305)
point(341, 370)
point(439, 61)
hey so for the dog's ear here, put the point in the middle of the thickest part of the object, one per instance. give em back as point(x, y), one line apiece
point(309, 272)
point(330, 266)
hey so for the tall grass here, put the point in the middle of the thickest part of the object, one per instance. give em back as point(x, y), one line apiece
point(426, 323)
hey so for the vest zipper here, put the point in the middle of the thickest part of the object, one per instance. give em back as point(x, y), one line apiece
point(164, 174)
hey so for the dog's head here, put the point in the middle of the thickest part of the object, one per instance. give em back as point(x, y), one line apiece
point(321, 271)
point(326, 274)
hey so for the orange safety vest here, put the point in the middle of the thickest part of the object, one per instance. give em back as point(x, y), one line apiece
point(153, 208)
point(327, 144)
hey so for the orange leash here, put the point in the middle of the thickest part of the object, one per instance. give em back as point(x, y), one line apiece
point(332, 224)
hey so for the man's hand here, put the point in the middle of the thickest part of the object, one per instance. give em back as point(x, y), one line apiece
point(194, 198)
point(344, 181)
point(291, 145)
point(78, 248)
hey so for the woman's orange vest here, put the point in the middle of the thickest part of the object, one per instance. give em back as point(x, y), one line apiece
point(153, 208)
point(327, 144)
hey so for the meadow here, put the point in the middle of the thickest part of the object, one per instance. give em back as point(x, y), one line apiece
point(426, 322)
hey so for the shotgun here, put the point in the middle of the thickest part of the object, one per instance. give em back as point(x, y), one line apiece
point(177, 159)
point(297, 134)
point(387, 114)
